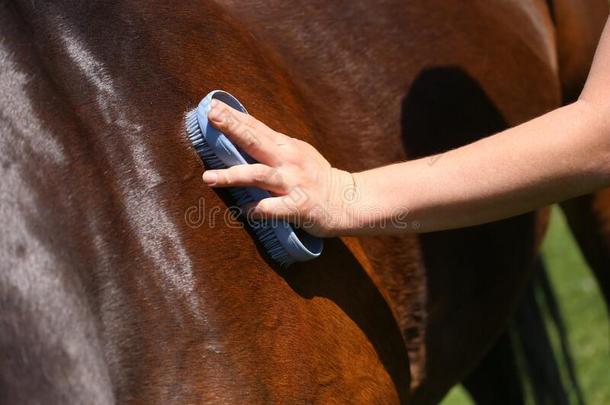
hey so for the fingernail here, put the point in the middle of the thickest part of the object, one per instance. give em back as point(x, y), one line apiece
point(210, 178)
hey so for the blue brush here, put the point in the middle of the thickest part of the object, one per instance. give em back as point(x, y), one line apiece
point(281, 241)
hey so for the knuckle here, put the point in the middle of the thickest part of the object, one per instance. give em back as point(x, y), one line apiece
point(249, 139)
point(278, 178)
point(226, 177)
point(260, 174)
point(229, 119)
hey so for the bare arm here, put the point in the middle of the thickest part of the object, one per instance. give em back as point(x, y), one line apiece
point(559, 155)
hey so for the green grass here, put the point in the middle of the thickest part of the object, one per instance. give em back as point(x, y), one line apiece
point(584, 313)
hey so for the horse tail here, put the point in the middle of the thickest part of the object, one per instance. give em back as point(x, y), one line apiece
point(524, 360)
point(531, 336)
point(578, 27)
point(496, 379)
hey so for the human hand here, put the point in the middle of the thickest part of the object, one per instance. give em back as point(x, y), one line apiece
point(306, 189)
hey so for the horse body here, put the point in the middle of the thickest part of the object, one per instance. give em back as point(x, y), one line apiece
point(124, 279)
point(579, 27)
point(396, 88)
point(145, 305)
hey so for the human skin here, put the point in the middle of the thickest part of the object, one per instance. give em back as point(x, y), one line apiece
point(559, 155)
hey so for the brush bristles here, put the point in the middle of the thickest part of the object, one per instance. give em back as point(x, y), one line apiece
point(264, 232)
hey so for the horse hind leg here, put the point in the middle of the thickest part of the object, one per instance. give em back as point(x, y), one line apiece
point(579, 24)
point(589, 220)
point(497, 379)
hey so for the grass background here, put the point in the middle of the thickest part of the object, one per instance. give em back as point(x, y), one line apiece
point(584, 313)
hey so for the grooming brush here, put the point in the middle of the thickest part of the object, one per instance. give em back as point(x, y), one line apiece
point(284, 244)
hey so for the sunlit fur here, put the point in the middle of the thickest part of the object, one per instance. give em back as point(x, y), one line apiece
point(108, 292)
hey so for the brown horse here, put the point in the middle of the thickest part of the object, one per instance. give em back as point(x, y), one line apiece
point(589, 219)
point(124, 279)
point(589, 216)
point(497, 379)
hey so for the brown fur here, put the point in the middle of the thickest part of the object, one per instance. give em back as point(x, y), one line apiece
point(579, 27)
point(172, 312)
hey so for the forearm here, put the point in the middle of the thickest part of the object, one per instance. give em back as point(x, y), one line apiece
point(562, 154)
point(559, 155)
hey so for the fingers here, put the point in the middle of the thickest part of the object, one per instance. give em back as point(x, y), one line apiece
point(258, 175)
point(274, 208)
point(251, 135)
point(264, 177)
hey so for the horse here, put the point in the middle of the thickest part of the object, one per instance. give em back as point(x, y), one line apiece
point(588, 216)
point(125, 280)
point(497, 378)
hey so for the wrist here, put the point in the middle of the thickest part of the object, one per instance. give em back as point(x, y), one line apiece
point(346, 202)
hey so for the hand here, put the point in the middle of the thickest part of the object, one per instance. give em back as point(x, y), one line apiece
point(306, 189)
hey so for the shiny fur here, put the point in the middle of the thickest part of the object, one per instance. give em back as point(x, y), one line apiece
point(112, 288)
